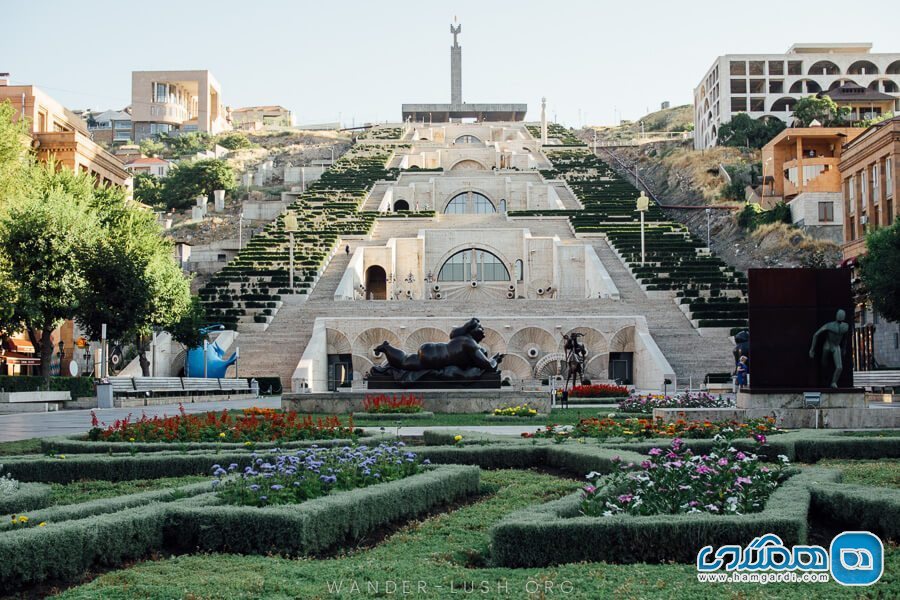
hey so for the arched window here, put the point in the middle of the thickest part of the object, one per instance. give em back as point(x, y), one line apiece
point(824, 67)
point(503, 206)
point(520, 276)
point(473, 264)
point(469, 202)
point(467, 139)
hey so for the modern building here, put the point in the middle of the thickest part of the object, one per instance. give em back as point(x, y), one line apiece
point(768, 85)
point(800, 167)
point(458, 110)
point(58, 133)
point(110, 127)
point(256, 118)
point(168, 102)
point(158, 167)
point(871, 190)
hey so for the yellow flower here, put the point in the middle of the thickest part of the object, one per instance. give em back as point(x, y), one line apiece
point(248, 443)
point(532, 411)
point(458, 438)
point(42, 524)
point(221, 435)
point(130, 439)
point(23, 519)
point(62, 455)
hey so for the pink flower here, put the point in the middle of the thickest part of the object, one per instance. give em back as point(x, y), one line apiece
point(723, 462)
point(676, 443)
point(616, 459)
point(589, 489)
point(743, 480)
point(741, 456)
point(645, 464)
point(704, 470)
point(760, 438)
point(625, 498)
point(655, 452)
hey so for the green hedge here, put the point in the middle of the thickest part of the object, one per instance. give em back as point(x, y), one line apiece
point(520, 539)
point(29, 496)
point(866, 508)
point(77, 444)
point(578, 459)
point(316, 525)
point(78, 386)
point(814, 446)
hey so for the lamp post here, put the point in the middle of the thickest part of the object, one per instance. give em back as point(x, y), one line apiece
point(290, 225)
point(643, 203)
point(240, 231)
point(708, 213)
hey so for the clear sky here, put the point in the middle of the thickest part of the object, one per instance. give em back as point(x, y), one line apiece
point(595, 61)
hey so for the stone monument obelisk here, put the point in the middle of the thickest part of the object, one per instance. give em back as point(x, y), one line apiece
point(455, 67)
point(544, 121)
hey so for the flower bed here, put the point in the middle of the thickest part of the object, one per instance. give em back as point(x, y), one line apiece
point(634, 428)
point(518, 410)
point(674, 481)
point(254, 425)
point(367, 416)
point(598, 390)
point(382, 403)
point(16, 496)
point(637, 403)
point(291, 477)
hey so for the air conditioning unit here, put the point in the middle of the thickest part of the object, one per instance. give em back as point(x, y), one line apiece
point(438, 296)
point(864, 219)
point(510, 295)
point(436, 288)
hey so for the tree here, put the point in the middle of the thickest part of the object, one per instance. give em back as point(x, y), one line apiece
point(822, 109)
point(133, 282)
point(745, 131)
point(234, 141)
point(186, 181)
point(149, 189)
point(44, 235)
point(152, 147)
point(185, 144)
point(15, 155)
point(880, 270)
point(186, 331)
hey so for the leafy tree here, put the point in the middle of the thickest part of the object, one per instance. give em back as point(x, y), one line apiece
point(149, 189)
point(234, 141)
point(133, 282)
point(152, 147)
point(185, 144)
point(824, 110)
point(186, 181)
point(745, 131)
point(185, 331)
point(44, 235)
point(15, 155)
point(880, 270)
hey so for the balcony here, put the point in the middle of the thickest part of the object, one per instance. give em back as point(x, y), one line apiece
point(820, 174)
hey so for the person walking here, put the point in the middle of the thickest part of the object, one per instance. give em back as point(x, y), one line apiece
point(743, 372)
point(347, 249)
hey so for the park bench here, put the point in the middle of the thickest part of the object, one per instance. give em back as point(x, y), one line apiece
point(176, 388)
point(877, 381)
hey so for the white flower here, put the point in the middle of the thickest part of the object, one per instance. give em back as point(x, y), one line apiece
point(607, 513)
point(783, 458)
point(593, 474)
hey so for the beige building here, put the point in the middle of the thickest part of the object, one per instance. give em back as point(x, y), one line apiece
point(256, 118)
point(58, 133)
point(176, 101)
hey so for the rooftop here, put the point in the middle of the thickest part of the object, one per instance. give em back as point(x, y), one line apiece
point(856, 93)
point(831, 48)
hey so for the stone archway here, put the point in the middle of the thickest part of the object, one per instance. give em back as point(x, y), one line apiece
point(376, 283)
point(468, 165)
point(401, 206)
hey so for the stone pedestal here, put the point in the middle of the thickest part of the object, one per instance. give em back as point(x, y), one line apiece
point(437, 401)
point(219, 196)
point(198, 213)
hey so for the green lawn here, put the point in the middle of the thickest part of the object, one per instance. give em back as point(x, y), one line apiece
point(32, 446)
point(434, 554)
point(879, 473)
point(82, 491)
point(568, 416)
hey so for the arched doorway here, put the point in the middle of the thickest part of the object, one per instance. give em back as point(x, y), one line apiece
point(401, 205)
point(469, 203)
point(376, 283)
point(468, 164)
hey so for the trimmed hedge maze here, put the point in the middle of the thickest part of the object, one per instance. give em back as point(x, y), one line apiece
point(712, 293)
point(250, 288)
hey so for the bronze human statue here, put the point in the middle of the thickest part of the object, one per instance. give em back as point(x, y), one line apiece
point(459, 359)
point(834, 331)
point(576, 355)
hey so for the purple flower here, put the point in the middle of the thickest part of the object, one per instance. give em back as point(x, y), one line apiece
point(759, 438)
point(723, 462)
point(741, 456)
point(655, 452)
point(590, 489)
point(625, 498)
point(676, 443)
point(277, 487)
point(254, 488)
point(743, 480)
point(645, 464)
point(616, 459)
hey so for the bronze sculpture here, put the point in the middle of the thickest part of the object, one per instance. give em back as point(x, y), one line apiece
point(576, 355)
point(834, 331)
point(459, 360)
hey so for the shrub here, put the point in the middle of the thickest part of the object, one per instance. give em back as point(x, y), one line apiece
point(598, 390)
point(382, 403)
point(16, 496)
point(866, 508)
point(292, 477)
point(634, 429)
point(638, 403)
point(222, 427)
point(77, 386)
point(518, 410)
point(188, 180)
point(725, 481)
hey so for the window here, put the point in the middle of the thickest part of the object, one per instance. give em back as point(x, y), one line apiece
point(776, 67)
point(520, 276)
point(851, 193)
point(467, 139)
point(162, 92)
point(757, 86)
point(795, 67)
point(862, 189)
point(738, 86)
point(757, 67)
point(738, 67)
point(120, 125)
point(738, 104)
point(888, 178)
point(42, 121)
point(158, 128)
point(459, 205)
point(473, 264)
point(875, 183)
point(826, 212)
point(776, 86)
point(757, 104)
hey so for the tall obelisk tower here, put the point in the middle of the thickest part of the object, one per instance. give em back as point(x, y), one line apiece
point(455, 66)
point(544, 121)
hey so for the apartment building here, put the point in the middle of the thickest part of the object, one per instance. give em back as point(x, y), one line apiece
point(768, 85)
point(168, 102)
point(255, 118)
point(871, 190)
point(110, 127)
point(60, 134)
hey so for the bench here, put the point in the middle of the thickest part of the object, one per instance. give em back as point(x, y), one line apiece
point(176, 387)
point(235, 385)
point(877, 381)
point(158, 386)
point(38, 401)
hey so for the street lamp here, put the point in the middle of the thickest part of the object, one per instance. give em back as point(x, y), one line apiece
point(708, 212)
point(290, 225)
point(643, 203)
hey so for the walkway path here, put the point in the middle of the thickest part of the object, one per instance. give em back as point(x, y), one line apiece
point(24, 426)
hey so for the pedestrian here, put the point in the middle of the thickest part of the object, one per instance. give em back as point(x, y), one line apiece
point(565, 398)
point(743, 372)
point(347, 249)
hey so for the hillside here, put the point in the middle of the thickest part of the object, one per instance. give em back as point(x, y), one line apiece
point(678, 118)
